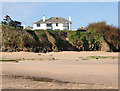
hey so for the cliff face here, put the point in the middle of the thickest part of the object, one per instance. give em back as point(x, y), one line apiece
point(36, 41)
point(49, 40)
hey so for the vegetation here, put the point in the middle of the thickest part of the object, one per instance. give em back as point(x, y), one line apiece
point(7, 60)
point(55, 40)
point(87, 41)
point(9, 22)
point(101, 57)
point(109, 33)
point(98, 57)
point(19, 59)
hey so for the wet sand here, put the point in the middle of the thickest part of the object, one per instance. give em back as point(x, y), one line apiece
point(71, 70)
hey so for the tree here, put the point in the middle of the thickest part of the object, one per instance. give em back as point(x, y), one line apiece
point(9, 22)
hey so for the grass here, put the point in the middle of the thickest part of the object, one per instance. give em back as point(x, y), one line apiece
point(8, 60)
point(98, 57)
point(38, 59)
point(81, 57)
point(41, 79)
point(101, 57)
point(19, 59)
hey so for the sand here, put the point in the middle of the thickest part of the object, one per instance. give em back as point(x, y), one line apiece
point(71, 70)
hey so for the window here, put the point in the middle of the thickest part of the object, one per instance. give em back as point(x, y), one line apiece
point(38, 24)
point(56, 24)
point(65, 24)
point(49, 24)
point(56, 18)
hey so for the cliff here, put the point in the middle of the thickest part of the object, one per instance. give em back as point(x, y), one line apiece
point(51, 40)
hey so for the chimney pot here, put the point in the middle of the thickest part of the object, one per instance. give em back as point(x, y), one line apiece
point(43, 18)
point(69, 18)
point(23, 26)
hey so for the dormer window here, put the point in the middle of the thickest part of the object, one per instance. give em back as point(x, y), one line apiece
point(38, 24)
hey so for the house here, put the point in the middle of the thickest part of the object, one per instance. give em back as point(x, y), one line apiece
point(53, 23)
point(17, 23)
point(81, 29)
point(29, 28)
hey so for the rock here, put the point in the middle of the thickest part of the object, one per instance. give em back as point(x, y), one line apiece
point(25, 49)
point(104, 46)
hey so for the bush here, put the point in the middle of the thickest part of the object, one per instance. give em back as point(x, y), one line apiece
point(108, 32)
point(89, 40)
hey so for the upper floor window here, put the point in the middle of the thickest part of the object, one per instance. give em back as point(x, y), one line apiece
point(38, 24)
point(56, 24)
point(49, 24)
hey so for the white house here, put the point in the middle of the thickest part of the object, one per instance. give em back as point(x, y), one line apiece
point(53, 23)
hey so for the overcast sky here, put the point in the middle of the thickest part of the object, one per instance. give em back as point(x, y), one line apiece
point(82, 13)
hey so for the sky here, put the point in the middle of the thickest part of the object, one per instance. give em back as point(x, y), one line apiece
point(82, 13)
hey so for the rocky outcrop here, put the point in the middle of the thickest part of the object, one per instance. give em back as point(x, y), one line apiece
point(52, 40)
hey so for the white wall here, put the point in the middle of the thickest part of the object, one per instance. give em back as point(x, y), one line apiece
point(69, 26)
point(65, 28)
point(54, 27)
point(42, 26)
point(59, 27)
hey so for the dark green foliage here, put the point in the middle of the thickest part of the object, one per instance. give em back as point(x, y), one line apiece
point(9, 22)
point(87, 41)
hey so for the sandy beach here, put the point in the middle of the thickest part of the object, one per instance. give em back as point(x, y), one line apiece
point(60, 70)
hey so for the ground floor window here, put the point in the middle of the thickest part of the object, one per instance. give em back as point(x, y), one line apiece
point(49, 24)
point(38, 24)
point(65, 24)
point(56, 24)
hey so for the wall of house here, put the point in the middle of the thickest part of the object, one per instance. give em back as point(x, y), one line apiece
point(59, 27)
point(42, 26)
point(54, 27)
point(65, 28)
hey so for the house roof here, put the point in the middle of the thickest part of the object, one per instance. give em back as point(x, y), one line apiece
point(29, 28)
point(81, 29)
point(54, 20)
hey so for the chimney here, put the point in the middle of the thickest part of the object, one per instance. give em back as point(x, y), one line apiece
point(81, 27)
point(69, 18)
point(43, 18)
point(24, 26)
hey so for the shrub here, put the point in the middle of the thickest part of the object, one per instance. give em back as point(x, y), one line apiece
point(108, 32)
